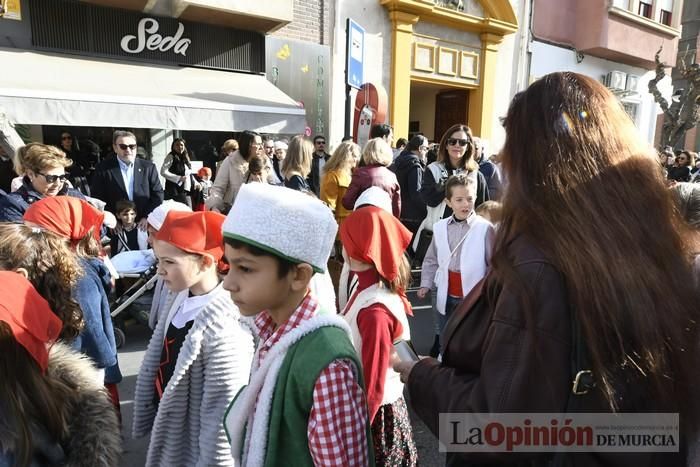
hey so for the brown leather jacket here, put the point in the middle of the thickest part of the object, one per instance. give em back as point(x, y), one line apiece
point(494, 364)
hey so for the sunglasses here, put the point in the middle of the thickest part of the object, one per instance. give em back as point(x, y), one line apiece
point(455, 141)
point(66, 137)
point(320, 142)
point(53, 178)
point(124, 147)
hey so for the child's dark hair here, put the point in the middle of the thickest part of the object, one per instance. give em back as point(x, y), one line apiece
point(124, 205)
point(283, 266)
point(460, 179)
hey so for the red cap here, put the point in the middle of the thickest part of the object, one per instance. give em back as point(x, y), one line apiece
point(197, 232)
point(28, 315)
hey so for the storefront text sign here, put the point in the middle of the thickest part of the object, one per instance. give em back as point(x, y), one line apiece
point(147, 37)
point(100, 31)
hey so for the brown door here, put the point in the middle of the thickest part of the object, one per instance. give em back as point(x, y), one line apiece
point(450, 109)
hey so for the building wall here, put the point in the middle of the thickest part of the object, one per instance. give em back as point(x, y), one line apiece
point(312, 22)
point(548, 59)
point(591, 27)
point(375, 20)
point(508, 66)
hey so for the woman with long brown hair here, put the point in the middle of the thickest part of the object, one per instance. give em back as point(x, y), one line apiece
point(589, 281)
point(176, 170)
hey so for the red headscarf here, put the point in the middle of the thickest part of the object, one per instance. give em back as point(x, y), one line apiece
point(28, 315)
point(374, 236)
point(199, 232)
point(66, 216)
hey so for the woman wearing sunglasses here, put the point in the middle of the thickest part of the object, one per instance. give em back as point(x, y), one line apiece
point(43, 170)
point(455, 155)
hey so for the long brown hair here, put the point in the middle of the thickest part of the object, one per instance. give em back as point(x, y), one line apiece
point(467, 162)
point(52, 268)
point(587, 191)
point(27, 396)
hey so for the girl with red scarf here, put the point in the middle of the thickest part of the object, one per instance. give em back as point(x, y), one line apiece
point(80, 223)
point(52, 412)
point(374, 242)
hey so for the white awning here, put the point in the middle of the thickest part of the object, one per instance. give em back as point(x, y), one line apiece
point(51, 89)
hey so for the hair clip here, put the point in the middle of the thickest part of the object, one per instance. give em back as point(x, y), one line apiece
point(37, 230)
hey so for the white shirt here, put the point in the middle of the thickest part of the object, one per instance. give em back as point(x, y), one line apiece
point(190, 307)
point(127, 169)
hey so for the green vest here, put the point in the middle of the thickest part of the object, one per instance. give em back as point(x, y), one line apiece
point(292, 400)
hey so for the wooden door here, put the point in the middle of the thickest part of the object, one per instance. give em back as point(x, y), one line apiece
point(450, 109)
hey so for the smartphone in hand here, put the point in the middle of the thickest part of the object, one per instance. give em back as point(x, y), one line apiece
point(405, 351)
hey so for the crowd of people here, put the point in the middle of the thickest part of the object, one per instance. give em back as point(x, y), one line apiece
point(568, 243)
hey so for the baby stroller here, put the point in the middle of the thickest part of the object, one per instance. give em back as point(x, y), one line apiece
point(137, 271)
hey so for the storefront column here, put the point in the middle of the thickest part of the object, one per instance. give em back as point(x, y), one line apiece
point(161, 140)
point(481, 99)
point(400, 97)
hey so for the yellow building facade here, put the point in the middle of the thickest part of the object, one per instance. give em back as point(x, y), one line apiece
point(447, 49)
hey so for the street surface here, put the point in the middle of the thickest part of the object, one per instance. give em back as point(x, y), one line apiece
point(137, 336)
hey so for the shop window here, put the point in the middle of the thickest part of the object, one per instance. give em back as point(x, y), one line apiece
point(644, 9)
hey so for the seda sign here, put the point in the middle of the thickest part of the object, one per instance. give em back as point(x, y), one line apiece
point(155, 41)
point(101, 31)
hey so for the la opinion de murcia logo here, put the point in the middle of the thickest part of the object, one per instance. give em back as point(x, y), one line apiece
point(148, 38)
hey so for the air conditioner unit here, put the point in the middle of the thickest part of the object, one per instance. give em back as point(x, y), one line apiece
point(615, 80)
point(631, 83)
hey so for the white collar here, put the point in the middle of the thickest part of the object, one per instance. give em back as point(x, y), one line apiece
point(191, 306)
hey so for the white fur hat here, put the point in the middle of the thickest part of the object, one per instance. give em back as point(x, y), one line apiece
point(376, 197)
point(158, 215)
point(281, 145)
point(287, 223)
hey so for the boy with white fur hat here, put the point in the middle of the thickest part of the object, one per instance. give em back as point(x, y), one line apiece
point(305, 404)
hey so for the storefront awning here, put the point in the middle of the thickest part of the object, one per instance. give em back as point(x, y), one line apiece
point(51, 89)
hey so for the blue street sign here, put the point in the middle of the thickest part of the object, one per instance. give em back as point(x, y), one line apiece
point(355, 52)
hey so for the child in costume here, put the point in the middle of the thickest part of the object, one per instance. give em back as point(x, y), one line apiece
point(305, 403)
point(162, 295)
point(127, 236)
point(200, 197)
point(47, 261)
point(54, 411)
point(458, 255)
point(374, 241)
point(79, 223)
point(199, 355)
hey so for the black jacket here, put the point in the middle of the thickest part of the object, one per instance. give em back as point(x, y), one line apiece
point(108, 185)
point(314, 178)
point(409, 172)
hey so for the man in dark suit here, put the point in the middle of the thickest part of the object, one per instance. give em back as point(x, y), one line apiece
point(320, 157)
point(126, 177)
